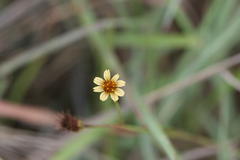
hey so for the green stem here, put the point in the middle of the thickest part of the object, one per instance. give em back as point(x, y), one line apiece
point(117, 105)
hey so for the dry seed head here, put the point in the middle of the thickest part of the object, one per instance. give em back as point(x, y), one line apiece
point(70, 123)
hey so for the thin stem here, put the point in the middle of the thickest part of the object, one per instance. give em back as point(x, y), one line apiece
point(126, 128)
point(117, 105)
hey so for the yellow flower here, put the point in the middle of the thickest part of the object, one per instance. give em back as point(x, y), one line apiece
point(109, 86)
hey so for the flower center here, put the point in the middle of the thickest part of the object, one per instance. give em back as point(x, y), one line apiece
point(109, 86)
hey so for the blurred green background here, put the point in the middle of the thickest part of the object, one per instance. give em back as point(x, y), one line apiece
point(50, 51)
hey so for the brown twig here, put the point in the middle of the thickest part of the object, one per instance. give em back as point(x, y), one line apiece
point(28, 114)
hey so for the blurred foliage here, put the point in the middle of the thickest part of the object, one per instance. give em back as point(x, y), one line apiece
point(51, 52)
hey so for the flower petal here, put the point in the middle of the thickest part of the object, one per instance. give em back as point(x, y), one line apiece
point(121, 83)
point(114, 97)
point(104, 96)
point(98, 89)
point(119, 92)
point(98, 81)
point(115, 77)
point(107, 74)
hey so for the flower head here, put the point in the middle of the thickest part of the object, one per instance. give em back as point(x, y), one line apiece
point(109, 86)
